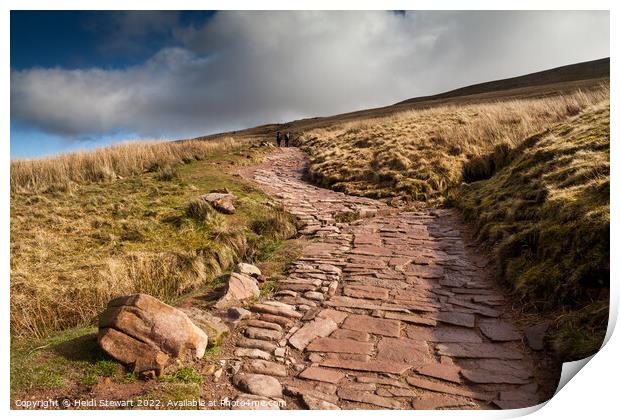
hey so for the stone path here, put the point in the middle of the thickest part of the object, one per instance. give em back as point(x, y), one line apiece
point(389, 311)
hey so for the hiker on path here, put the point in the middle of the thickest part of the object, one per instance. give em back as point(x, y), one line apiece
point(278, 138)
point(287, 137)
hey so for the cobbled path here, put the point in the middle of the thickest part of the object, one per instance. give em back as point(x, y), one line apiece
point(389, 311)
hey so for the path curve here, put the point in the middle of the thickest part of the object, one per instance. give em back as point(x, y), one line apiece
point(389, 311)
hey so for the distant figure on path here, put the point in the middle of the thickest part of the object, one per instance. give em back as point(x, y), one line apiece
point(278, 138)
point(287, 137)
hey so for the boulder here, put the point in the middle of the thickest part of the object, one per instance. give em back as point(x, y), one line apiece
point(240, 288)
point(248, 270)
point(147, 335)
point(222, 202)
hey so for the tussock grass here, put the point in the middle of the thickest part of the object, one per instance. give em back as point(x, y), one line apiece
point(421, 154)
point(61, 172)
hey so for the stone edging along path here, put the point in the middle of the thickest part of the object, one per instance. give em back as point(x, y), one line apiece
point(390, 311)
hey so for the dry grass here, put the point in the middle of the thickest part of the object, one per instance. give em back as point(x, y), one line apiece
point(74, 249)
point(420, 154)
point(546, 212)
point(109, 163)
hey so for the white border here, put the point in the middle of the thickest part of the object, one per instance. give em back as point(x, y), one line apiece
point(590, 395)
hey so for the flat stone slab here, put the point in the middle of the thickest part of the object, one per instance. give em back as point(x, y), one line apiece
point(490, 377)
point(456, 335)
point(265, 367)
point(322, 375)
point(478, 351)
point(449, 389)
point(350, 334)
point(412, 319)
point(403, 350)
point(496, 330)
point(320, 327)
point(334, 315)
point(368, 398)
point(381, 366)
point(535, 335)
point(457, 318)
point(276, 310)
point(262, 334)
point(441, 371)
point(369, 292)
point(369, 324)
point(433, 402)
point(340, 345)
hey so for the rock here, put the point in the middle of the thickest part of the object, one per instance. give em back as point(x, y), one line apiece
point(240, 288)
point(263, 385)
point(448, 389)
point(251, 353)
point(283, 311)
point(264, 324)
point(147, 335)
point(478, 351)
point(368, 398)
point(215, 328)
point(265, 368)
point(317, 404)
point(256, 344)
point(457, 318)
point(247, 269)
point(222, 202)
point(496, 330)
point(381, 366)
point(387, 327)
point(350, 334)
point(320, 327)
point(262, 334)
point(321, 374)
point(535, 335)
point(239, 313)
point(403, 350)
point(340, 345)
point(441, 371)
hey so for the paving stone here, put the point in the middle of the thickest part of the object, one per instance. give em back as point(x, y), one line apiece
point(440, 371)
point(496, 330)
point(263, 385)
point(280, 320)
point(478, 351)
point(434, 402)
point(264, 324)
point(300, 391)
point(449, 389)
point(350, 334)
point(256, 344)
point(413, 319)
point(320, 327)
point(396, 392)
point(265, 367)
point(382, 366)
point(403, 350)
point(386, 327)
point(336, 316)
point(262, 334)
point(251, 353)
point(340, 345)
point(313, 403)
point(456, 335)
point(321, 374)
point(382, 381)
point(368, 398)
point(276, 310)
point(370, 292)
point(457, 318)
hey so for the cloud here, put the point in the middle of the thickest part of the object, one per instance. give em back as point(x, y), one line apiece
point(245, 68)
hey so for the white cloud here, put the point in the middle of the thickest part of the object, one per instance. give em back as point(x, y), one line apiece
point(245, 68)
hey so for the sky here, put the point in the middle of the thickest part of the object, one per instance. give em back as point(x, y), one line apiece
point(85, 79)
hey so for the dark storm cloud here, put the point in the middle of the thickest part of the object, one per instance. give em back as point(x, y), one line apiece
point(244, 68)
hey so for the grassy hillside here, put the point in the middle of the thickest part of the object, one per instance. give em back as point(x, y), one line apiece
point(78, 238)
point(421, 154)
point(546, 211)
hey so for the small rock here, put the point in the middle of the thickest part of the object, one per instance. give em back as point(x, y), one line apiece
point(239, 313)
point(265, 368)
point(314, 295)
point(222, 202)
point(248, 270)
point(320, 327)
point(240, 288)
point(317, 404)
point(535, 335)
point(263, 385)
point(252, 353)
